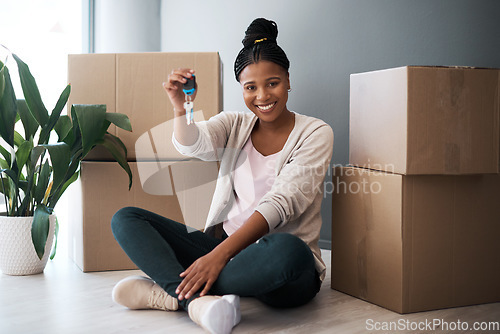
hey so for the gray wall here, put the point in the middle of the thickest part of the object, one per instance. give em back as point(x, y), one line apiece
point(328, 40)
point(325, 40)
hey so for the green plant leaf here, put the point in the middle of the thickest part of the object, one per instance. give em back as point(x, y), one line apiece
point(5, 191)
point(43, 182)
point(10, 173)
point(18, 139)
point(3, 182)
point(14, 167)
point(6, 155)
point(23, 185)
point(72, 179)
point(25, 208)
point(53, 200)
point(77, 135)
point(22, 154)
point(40, 229)
point(36, 152)
point(120, 120)
point(54, 116)
point(31, 93)
point(2, 79)
point(63, 130)
point(29, 122)
point(8, 110)
point(118, 155)
point(60, 158)
point(13, 189)
point(54, 249)
point(91, 119)
point(119, 142)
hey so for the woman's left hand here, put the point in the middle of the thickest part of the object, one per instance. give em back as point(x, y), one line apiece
point(203, 271)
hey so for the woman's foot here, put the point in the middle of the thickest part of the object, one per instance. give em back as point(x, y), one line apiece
point(138, 292)
point(216, 314)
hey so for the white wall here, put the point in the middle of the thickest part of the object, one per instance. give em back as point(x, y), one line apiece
point(127, 26)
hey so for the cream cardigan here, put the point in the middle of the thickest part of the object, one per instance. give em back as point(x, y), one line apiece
point(293, 205)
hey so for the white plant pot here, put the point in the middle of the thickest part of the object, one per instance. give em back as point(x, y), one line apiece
point(17, 253)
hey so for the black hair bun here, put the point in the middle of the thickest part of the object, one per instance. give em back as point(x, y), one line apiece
point(260, 29)
point(260, 44)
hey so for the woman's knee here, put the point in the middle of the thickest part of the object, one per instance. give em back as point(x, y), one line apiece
point(122, 219)
point(285, 243)
point(289, 250)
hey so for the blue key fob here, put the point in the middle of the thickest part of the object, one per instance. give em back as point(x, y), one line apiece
point(190, 86)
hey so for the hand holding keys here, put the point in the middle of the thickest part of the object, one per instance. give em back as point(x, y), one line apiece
point(188, 89)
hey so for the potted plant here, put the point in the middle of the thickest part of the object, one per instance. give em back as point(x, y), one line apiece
point(35, 170)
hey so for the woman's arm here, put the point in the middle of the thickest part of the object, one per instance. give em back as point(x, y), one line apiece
point(206, 269)
point(185, 134)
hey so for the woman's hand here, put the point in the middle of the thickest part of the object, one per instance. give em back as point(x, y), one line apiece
point(203, 272)
point(206, 269)
point(173, 87)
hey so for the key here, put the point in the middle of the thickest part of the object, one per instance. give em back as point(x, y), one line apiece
point(189, 88)
point(188, 106)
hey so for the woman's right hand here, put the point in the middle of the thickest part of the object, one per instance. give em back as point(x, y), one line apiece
point(173, 87)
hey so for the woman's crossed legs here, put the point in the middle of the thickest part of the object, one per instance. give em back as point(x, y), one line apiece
point(278, 269)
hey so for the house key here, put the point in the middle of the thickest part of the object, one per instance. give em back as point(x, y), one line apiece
point(189, 88)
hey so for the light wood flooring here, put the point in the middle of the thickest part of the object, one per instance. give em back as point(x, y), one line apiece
point(65, 300)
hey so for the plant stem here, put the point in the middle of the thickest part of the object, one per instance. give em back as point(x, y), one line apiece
point(18, 199)
point(5, 198)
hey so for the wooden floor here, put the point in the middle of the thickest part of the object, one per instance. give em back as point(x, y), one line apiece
point(65, 300)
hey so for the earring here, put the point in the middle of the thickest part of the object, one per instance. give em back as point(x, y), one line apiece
point(289, 90)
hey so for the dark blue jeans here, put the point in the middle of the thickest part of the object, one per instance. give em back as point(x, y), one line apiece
point(279, 269)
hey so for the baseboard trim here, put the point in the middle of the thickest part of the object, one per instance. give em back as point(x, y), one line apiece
point(325, 244)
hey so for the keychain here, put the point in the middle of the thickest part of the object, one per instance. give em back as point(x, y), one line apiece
point(189, 89)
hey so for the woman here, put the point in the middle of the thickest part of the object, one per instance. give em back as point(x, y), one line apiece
point(267, 200)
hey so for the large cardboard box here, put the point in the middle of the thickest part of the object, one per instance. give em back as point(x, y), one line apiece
point(416, 242)
point(131, 83)
point(179, 190)
point(425, 120)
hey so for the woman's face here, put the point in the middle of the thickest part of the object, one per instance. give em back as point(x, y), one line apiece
point(265, 89)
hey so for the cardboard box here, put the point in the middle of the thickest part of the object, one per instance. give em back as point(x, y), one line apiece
point(131, 83)
point(413, 243)
point(425, 120)
point(179, 190)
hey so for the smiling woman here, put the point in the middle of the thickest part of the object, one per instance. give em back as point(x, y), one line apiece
point(265, 91)
point(265, 86)
point(261, 235)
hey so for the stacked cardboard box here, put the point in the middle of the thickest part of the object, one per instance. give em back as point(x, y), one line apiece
point(416, 219)
point(163, 180)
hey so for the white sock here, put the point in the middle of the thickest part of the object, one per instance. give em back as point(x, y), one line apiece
point(217, 315)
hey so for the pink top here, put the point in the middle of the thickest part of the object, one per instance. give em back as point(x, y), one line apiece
point(253, 178)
